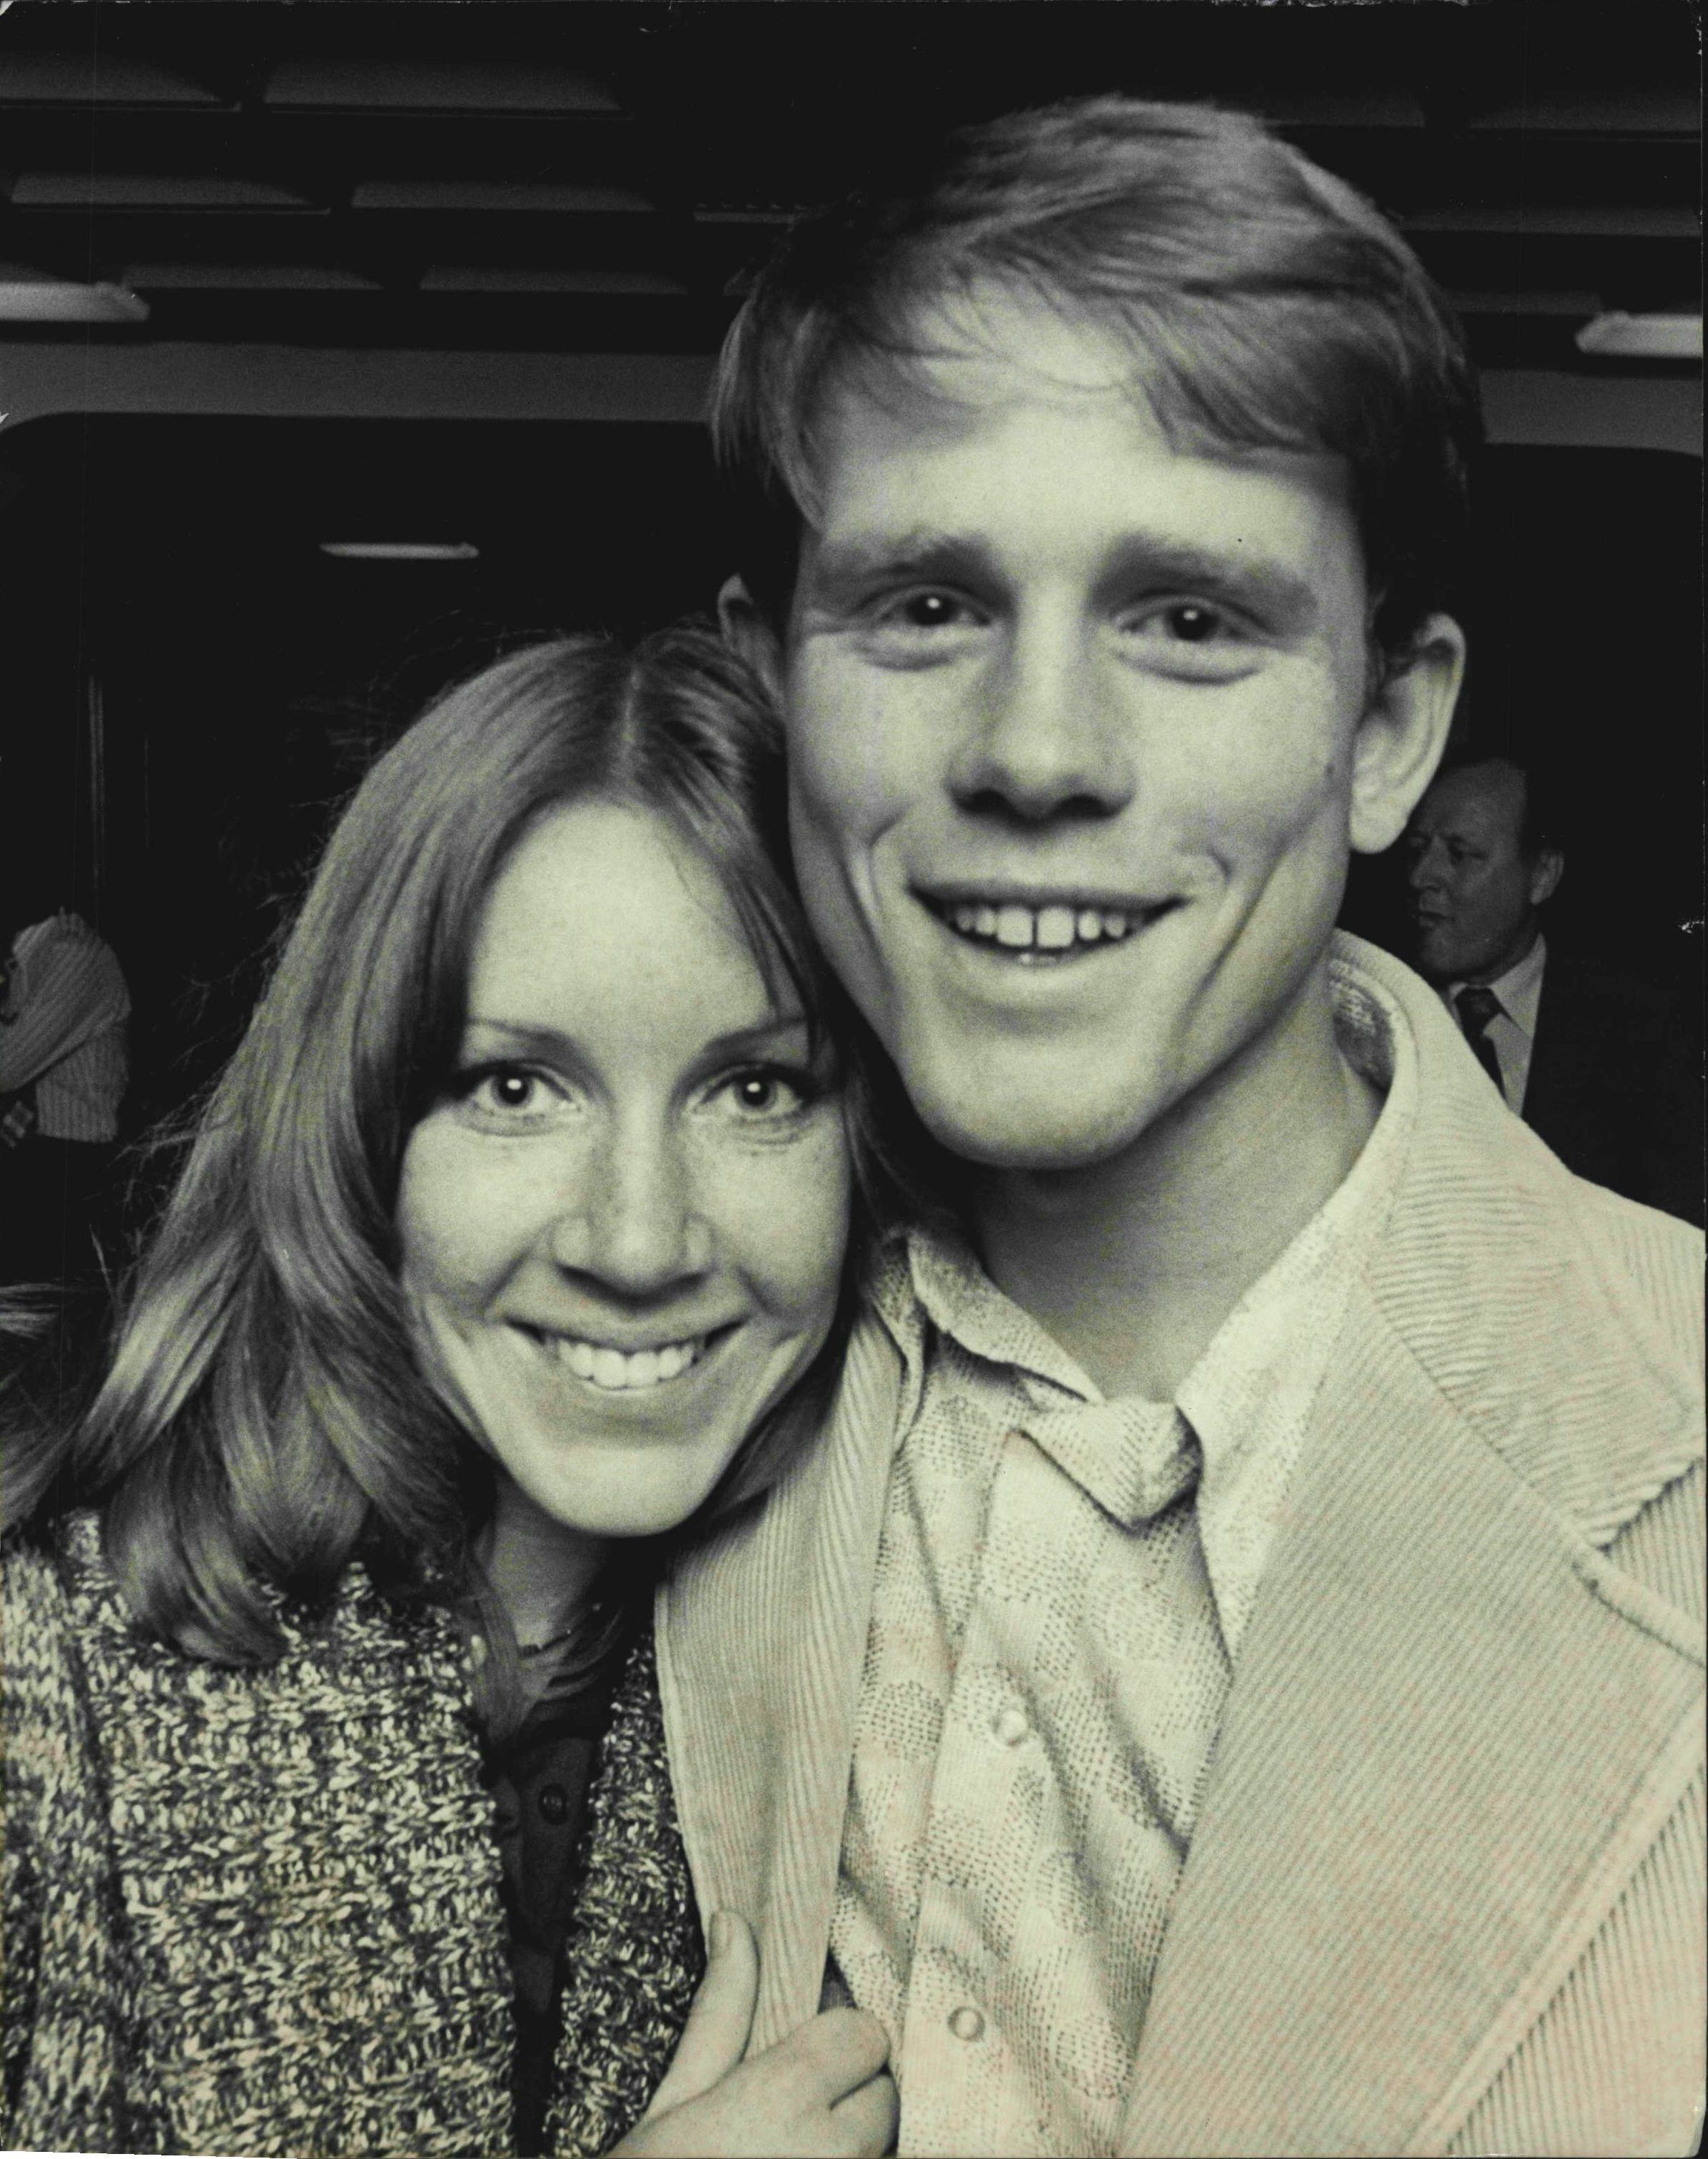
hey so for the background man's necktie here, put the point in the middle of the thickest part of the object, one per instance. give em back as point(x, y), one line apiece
point(1477, 1005)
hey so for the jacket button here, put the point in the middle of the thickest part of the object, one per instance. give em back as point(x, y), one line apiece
point(967, 2022)
point(554, 1803)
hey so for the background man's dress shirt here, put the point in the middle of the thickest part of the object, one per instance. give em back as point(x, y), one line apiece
point(62, 1029)
point(1512, 1032)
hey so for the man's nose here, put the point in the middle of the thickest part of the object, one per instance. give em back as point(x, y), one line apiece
point(1049, 737)
point(634, 1226)
point(1425, 867)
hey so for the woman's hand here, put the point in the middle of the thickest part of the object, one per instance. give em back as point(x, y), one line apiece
point(823, 2093)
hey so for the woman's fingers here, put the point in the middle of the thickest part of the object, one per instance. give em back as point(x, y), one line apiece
point(866, 2119)
point(721, 2021)
point(819, 2094)
point(836, 2053)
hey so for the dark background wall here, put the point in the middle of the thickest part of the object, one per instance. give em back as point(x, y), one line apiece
point(457, 273)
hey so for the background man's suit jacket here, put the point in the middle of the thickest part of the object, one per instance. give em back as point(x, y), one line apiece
point(1446, 1891)
point(1614, 1089)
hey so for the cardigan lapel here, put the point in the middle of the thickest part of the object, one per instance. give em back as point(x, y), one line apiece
point(1433, 1722)
point(631, 1955)
point(761, 1640)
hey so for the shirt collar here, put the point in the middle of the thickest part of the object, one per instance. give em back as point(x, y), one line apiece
point(1248, 1399)
point(1520, 989)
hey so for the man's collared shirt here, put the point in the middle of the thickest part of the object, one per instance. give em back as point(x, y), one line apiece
point(1049, 1661)
point(1512, 1030)
point(62, 1029)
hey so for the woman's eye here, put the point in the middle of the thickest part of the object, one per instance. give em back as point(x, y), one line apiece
point(766, 1094)
point(511, 1090)
point(508, 1094)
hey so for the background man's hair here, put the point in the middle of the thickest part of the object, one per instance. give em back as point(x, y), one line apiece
point(1266, 303)
point(1541, 821)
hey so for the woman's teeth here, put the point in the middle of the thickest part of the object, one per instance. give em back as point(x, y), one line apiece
point(1055, 928)
point(621, 1371)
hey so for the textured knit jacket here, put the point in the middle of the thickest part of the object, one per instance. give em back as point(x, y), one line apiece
point(1446, 1891)
point(259, 1911)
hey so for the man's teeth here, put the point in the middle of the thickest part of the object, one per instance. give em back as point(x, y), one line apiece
point(1055, 928)
point(622, 1370)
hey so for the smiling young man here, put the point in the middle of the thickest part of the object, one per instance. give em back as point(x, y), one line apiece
point(1230, 1680)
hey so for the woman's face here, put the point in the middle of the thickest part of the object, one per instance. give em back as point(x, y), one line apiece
point(623, 1223)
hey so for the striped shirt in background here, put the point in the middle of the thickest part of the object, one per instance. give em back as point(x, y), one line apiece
point(1063, 1583)
point(62, 1029)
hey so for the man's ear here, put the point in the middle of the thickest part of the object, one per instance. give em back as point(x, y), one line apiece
point(1549, 867)
point(1403, 734)
point(746, 630)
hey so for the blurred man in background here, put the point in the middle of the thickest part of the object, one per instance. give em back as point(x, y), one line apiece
point(1590, 1056)
point(64, 1064)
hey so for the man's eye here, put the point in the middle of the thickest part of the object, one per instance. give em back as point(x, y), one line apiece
point(928, 611)
point(1184, 622)
point(1190, 640)
point(1193, 625)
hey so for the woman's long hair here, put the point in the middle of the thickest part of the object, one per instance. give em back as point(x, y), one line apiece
point(265, 1420)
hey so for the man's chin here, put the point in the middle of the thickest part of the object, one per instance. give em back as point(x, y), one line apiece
point(1006, 1132)
point(1432, 960)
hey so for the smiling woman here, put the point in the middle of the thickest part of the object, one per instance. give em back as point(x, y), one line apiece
point(513, 1247)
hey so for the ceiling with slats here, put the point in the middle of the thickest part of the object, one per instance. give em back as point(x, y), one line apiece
point(597, 175)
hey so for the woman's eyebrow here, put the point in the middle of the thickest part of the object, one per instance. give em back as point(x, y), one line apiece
point(753, 1041)
point(521, 1034)
point(528, 1036)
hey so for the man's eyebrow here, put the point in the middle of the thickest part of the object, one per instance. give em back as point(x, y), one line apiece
point(1280, 596)
point(921, 552)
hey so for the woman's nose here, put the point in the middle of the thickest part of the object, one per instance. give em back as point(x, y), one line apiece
point(635, 1226)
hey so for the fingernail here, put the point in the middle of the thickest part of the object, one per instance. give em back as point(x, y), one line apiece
point(718, 1936)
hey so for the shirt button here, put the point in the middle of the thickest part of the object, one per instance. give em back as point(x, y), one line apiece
point(1012, 1726)
point(554, 1803)
point(967, 2022)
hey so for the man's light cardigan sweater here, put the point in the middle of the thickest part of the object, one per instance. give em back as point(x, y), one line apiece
point(259, 1911)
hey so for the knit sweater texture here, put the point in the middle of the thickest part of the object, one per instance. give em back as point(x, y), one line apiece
point(259, 1910)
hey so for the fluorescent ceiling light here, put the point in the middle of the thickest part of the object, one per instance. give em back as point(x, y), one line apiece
point(190, 192)
point(72, 79)
point(500, 277)
point(1532, 300)
point(1560, 220)
point(434, 86)
point(245, 278)
point(28, 297)
point(526, 197)
point(400, 550)
point(1643, 337)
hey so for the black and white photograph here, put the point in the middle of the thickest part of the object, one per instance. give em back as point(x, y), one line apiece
point(851, 1105)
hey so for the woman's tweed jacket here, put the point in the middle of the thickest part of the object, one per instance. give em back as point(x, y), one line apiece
point(259, 1911)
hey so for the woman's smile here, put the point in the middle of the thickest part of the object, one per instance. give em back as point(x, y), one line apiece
point(611, 1369)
